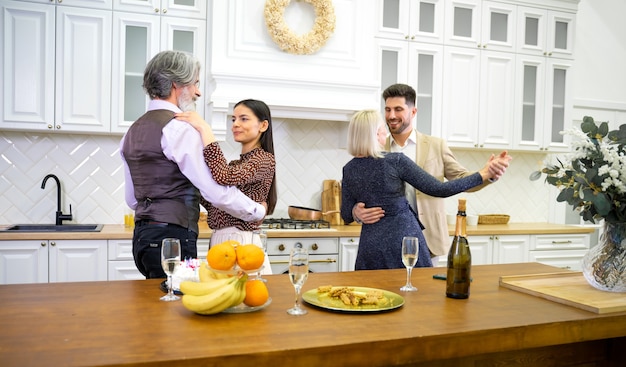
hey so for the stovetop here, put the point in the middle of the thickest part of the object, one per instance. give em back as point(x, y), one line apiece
point(286, 223)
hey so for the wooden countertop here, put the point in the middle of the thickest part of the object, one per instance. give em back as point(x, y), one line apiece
point(118, 231)
point(123, 323)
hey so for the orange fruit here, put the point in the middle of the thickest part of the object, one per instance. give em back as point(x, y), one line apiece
point(250, 257)
point(222, 256)
point(256, 293)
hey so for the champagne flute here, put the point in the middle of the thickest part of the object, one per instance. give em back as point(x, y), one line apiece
point(170, 260)
point(410, 253)
point(298, 273)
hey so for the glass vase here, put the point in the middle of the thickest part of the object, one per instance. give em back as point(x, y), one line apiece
point(604, 266)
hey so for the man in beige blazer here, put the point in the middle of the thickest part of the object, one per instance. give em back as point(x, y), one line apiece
point(430, 153)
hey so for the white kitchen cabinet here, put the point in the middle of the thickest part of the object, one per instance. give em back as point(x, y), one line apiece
point(136, 39)
point(323, 253)
point(478, 98)
point(480, 24)
point(349, 247)
point(410, 36)
point(43, 261)
point(479, 74)
point(92, 4)
point(175, 8)
point(56, 67)
point(121, 265)
point(562, 250)
point(495, 249)
point(419, 65)
point(543, 32)
point(411, 20)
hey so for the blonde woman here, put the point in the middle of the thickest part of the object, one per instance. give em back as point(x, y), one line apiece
point(378, 179)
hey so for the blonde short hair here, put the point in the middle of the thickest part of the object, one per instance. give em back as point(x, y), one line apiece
point(362, 134)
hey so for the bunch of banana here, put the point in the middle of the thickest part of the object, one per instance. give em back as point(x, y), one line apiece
point(208, 298)
point(206, 274)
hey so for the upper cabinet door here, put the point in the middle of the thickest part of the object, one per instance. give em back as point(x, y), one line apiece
point(411, 20)
point(485, 25)
point(27, 91)
point(176, 8)
point(545, 33)
point(137, 37)
point(83, 69)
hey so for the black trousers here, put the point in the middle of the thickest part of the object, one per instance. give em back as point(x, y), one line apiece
point(147, 246)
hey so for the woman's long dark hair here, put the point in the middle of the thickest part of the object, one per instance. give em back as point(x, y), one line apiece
point(262, 112)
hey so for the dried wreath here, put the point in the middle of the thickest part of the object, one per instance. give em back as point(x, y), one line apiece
point(292, 43)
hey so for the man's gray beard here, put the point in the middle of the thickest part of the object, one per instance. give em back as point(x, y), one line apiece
point(186, 102)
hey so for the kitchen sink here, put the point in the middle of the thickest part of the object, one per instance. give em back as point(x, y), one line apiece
point(54, 228)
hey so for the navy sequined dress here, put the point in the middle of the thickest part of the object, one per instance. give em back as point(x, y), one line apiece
point(380, 182)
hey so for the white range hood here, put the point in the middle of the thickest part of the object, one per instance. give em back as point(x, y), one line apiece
point(332, 84)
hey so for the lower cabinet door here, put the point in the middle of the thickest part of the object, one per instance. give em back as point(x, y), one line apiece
point(566, 259)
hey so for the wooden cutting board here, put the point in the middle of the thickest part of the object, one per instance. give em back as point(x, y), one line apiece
point(331, 200)
point(569, 288)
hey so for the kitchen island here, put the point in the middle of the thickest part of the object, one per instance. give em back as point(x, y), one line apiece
point(124, 324)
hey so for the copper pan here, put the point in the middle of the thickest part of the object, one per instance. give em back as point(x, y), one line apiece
point(302, 213)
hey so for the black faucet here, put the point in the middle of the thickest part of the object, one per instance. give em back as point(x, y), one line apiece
point(60, 217)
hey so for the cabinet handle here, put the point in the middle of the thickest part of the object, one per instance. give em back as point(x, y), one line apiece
point(478, 45)
point(314, 247)
point(406, 37)
point(53, 244)
point(351, 240)
point(561, 242)
point(281, 247)
point(485, 46)
point(164, 11)
point(329, 260)
point(58, 127)
point(156, 10)
point(50, 126)
point(43, 244)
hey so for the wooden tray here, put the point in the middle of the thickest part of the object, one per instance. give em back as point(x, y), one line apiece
point(569, 288)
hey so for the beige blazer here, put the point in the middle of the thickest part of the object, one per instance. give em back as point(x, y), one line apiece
point(434, 156)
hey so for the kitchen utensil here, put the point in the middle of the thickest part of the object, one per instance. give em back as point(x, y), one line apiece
point(302, 213)
point(331, 202)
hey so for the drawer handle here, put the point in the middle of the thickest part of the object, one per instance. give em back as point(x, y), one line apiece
point(329, 260)
point(314, 247)
point(561, 242)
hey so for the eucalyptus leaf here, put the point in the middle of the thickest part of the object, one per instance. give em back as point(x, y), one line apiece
point(577, 175)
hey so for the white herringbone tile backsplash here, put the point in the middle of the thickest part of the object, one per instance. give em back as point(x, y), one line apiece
point(307, 152)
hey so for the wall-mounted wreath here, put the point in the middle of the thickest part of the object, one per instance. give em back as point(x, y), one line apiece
point(292, 43)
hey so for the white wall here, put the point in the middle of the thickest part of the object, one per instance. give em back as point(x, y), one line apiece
point(309, 151)
point(600, 72)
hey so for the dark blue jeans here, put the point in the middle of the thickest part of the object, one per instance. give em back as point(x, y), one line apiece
point(147, 246)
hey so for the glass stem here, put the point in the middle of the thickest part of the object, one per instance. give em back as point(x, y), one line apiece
point(297, 305)
point(169, 291)
point(408, 276)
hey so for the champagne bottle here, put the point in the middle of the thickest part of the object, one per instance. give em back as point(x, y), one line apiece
point(459, 259)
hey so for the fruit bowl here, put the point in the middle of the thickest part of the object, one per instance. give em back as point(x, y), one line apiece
point(236, 269)
point(243, 308)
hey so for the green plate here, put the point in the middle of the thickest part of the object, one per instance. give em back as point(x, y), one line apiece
point(391, 301)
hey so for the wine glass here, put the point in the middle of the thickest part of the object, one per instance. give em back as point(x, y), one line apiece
point(170, 260)
point(298, 273)
point(410, 253)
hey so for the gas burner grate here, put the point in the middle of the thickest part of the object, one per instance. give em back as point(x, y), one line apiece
point(285, 223)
